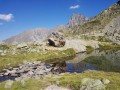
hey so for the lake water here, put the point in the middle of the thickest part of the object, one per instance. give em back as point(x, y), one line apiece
point(97, 60)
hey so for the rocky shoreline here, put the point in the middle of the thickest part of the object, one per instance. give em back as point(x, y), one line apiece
point(28, 70)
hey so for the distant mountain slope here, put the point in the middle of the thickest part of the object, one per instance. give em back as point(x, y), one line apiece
point(98, 22)
point(57, 28)
point(38, 34)
point(76, 19)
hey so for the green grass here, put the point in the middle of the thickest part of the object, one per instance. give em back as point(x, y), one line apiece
point(15, 60)
point(3, 47)
point(72, 81)
point(109, 46)
point(89, 49)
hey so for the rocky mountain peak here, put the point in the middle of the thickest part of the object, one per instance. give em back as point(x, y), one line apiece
point(76, 19)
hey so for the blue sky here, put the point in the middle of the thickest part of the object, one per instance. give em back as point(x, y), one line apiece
point(17, 16)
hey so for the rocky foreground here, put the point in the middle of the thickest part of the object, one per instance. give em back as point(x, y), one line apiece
point(29, 70)
point(90, 80)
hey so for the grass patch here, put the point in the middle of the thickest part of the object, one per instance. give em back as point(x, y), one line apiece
point(72, 81)
point(89, 49)
point(15, 60)
point(109, 46)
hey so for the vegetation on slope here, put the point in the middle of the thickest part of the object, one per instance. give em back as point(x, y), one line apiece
point(97, 23)
point(109, 46)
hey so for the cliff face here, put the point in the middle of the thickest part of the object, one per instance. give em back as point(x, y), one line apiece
point(76, 19)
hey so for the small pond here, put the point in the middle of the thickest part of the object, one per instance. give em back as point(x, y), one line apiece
point(97, 60)
point(108, 61)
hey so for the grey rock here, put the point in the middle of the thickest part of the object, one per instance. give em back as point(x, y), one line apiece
point(3, 54)
point(54, 87)
point(105, 81)
point(28, 70)
point(22, 46)
point(56, 39)
point(92, 84)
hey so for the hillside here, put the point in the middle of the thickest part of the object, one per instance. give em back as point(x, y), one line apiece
point(98, 22)
point(38, 34)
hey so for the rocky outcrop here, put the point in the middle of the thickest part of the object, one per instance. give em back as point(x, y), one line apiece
point(76, 20)
point(56, 39)
point(93, 84)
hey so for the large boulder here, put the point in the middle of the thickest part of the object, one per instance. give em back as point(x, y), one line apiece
point(93, 84)
point(54, 87)
point(56, 39)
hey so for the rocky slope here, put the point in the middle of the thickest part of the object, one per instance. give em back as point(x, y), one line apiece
point(76, 19)
point(98, 22)
point(112, 30)
point(38, 34)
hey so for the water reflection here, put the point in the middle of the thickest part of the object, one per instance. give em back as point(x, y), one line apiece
point(97, 60)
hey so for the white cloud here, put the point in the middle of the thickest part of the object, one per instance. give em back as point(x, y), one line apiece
point(6, 17)
point(75, 7)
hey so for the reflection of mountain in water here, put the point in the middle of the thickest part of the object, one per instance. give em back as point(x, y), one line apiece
point(83, 61)
point(114, 57)
point(97, 60)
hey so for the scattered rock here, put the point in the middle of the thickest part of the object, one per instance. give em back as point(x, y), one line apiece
point(54, 87)
point(3, 54)
point(28, 70)
point(105, 81)
point(22, 46)
point(92, 84)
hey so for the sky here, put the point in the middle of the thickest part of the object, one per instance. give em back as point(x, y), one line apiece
point(17, 16)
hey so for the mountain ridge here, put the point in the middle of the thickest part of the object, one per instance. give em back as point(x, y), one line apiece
point(78, 24)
